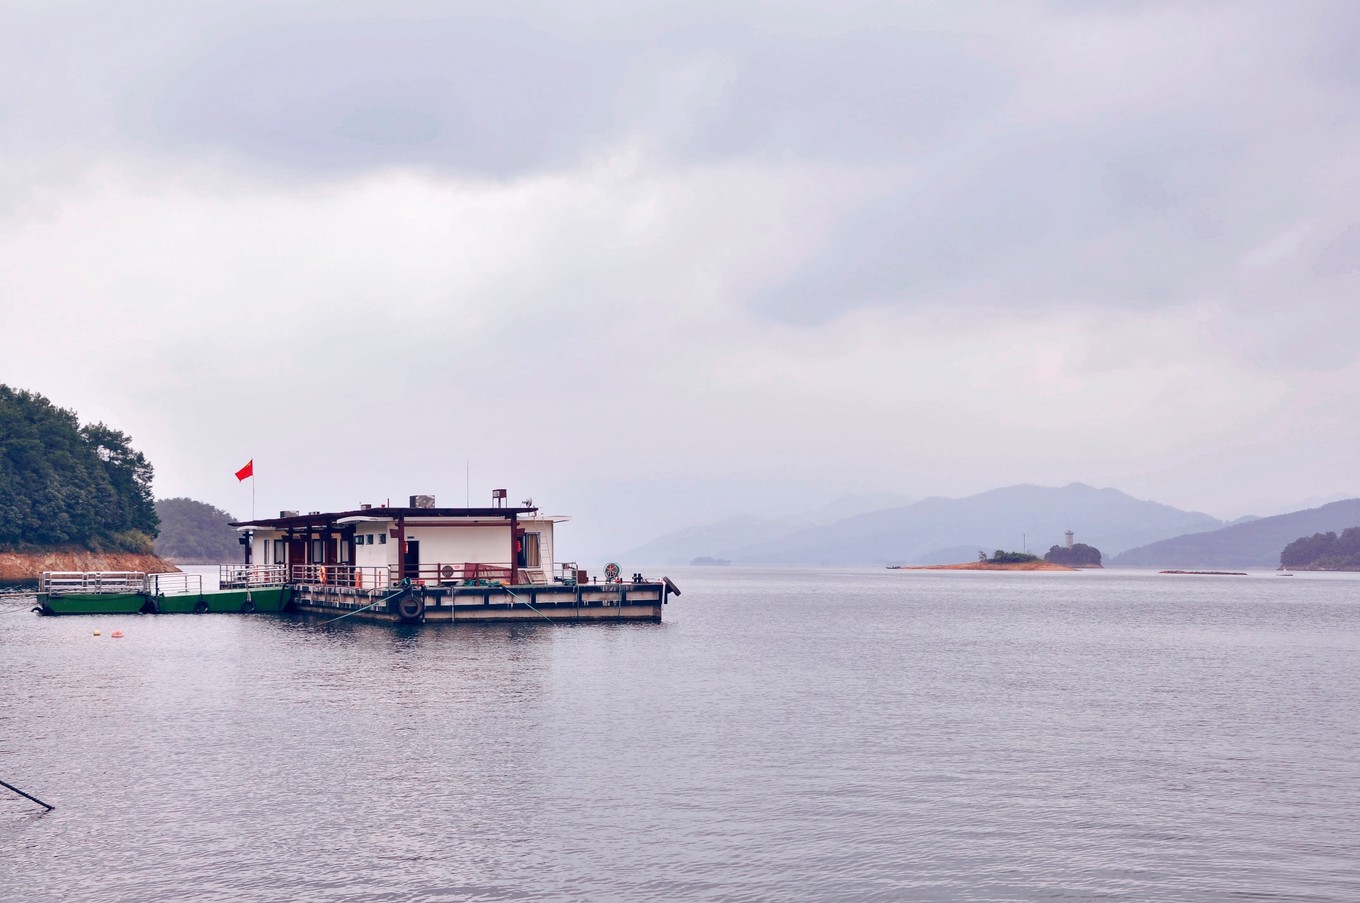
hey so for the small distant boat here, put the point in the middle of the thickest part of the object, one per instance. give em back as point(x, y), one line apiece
point(705, 560)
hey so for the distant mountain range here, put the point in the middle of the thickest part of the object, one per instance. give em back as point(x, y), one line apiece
point(934, 530)
point(1256, 543)
point(683, 546)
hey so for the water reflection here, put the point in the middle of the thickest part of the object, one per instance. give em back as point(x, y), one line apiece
point(836, 735)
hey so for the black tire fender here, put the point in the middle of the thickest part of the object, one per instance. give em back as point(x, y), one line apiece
point(200, 606)
point(411, 607)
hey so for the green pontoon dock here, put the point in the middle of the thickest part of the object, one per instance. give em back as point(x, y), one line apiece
point(240, 591)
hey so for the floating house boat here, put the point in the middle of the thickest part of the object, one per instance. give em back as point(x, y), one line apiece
point(414, 563)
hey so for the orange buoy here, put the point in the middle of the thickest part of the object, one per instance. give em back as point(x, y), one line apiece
point(96, 633)
point(117, 634)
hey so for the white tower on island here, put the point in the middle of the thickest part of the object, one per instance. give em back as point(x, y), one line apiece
point(1068, 534)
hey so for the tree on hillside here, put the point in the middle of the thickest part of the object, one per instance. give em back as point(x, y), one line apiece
point(195, 531)
point(129, 476)
point(1080, 555)
point(1324, 551)
point(63, 484)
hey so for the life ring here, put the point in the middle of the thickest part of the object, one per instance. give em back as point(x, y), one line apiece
point(248, 606)
point(321, 574)
point(411, 607)
point(200, 606)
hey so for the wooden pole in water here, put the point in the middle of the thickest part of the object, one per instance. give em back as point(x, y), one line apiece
point(46, 806)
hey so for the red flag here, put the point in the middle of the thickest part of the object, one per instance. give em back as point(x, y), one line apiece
point(247, 471)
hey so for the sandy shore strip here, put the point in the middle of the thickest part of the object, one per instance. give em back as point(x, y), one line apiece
point(984, 566)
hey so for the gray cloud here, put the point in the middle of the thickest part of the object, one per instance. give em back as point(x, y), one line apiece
point(1116, 240)
point(468, 94)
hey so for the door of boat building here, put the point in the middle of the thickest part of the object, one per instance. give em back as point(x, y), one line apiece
point(410, 560)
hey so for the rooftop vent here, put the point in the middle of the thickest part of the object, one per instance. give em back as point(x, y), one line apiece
point(422, 501)
point(288, 514)
point(365, 507)
point(313, 512)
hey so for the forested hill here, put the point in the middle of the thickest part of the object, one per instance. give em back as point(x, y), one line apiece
point(196, 532)
point(63, 484)
point(1257, 543)
point(1324, 552)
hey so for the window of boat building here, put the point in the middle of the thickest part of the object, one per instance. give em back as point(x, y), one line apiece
point(529, 554)
point(280, 552)
point(318, 551)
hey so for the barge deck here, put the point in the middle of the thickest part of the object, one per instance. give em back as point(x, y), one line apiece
point(366, 594)
point(636, 601)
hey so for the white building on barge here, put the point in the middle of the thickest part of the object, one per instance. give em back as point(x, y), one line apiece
point(422, 562)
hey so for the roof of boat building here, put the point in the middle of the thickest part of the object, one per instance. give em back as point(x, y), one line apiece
point(331, 518)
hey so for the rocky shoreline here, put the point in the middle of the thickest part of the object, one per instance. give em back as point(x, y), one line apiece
point(21, 568)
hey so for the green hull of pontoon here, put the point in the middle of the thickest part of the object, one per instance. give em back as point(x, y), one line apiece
point(233, 601)
point(92, 603)
point(274, 599)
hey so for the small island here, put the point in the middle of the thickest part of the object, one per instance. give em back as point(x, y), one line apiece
point(1076, 555)
point(1000, 561)
point(705, 560)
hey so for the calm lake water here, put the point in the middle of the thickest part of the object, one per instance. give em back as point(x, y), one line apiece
point(818, 734)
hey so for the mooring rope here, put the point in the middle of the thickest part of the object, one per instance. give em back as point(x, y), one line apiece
point(365, 608)
point(530, 604)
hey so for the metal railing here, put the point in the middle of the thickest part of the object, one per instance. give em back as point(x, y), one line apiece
point(435, 574)
point(459, 573)
point(245, 576)
point(341, 575)
point(174, 584)
point(57, 583)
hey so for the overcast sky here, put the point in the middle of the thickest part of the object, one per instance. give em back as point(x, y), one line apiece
point(653, 264)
